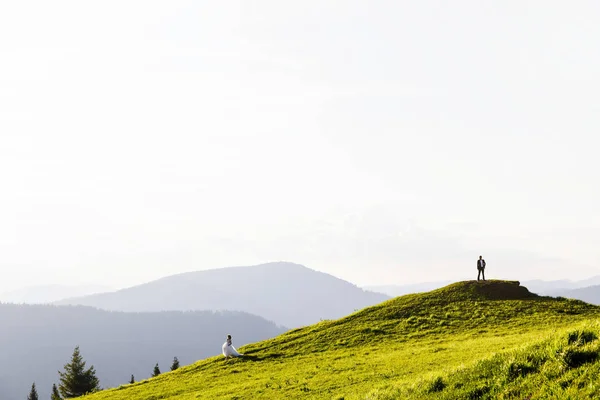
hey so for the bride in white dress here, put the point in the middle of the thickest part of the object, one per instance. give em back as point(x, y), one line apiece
point(229, 350)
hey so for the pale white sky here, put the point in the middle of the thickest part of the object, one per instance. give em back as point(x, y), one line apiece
point(382, 142)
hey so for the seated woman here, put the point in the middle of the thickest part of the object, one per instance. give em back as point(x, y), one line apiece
point(229, 350)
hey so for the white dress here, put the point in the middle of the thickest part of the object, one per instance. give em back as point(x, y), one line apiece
point(229, 350)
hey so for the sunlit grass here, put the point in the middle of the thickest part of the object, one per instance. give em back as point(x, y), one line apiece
point(415, 346)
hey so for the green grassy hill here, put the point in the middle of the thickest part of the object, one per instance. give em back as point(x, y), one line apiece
point(469, 340)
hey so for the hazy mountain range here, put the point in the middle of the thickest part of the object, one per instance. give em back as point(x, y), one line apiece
point(590, 294)
point(45, 294)
point(37, 340)
point(400, 290)
point(548, 287)
point(288, 294)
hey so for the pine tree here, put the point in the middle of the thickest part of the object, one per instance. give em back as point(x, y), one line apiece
point(132, 380)
point(175, 364)
point(33, 395)
point(156, 371)
point(76, 380)
point(55, 395)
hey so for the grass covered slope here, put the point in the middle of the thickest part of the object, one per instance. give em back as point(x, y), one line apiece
point(397, 349)
point(564, 366)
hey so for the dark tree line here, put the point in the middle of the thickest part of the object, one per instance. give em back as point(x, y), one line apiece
point(142, 339)
point(77, 381)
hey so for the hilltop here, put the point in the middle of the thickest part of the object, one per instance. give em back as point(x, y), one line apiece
point(37, 340)
point(289, 294)
point(412, 346)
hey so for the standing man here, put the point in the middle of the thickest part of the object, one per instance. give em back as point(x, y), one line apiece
point(481, 268)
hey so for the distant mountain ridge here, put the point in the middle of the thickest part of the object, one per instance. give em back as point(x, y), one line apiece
point(285, 293)
point(590, 294)
point(401, 290)
point(45, 294)
point(550, 287)
point(37, 340)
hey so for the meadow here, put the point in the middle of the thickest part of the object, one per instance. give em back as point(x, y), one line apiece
point(468, 340)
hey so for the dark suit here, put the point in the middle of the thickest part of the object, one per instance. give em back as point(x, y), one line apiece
point(481, 269)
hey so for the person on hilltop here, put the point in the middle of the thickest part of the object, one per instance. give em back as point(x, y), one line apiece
point(229, 350)
point(481, 268)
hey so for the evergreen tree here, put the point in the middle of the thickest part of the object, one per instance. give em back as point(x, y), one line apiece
point(132, 380)
point(55, 395)
point(156, 371)
point(175, 364)
point(76, 380)
point(33, 395)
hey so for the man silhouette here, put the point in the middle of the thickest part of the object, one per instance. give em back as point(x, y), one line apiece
point(481, 268)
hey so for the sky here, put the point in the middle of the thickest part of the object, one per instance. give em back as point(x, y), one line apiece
point(383, 142)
